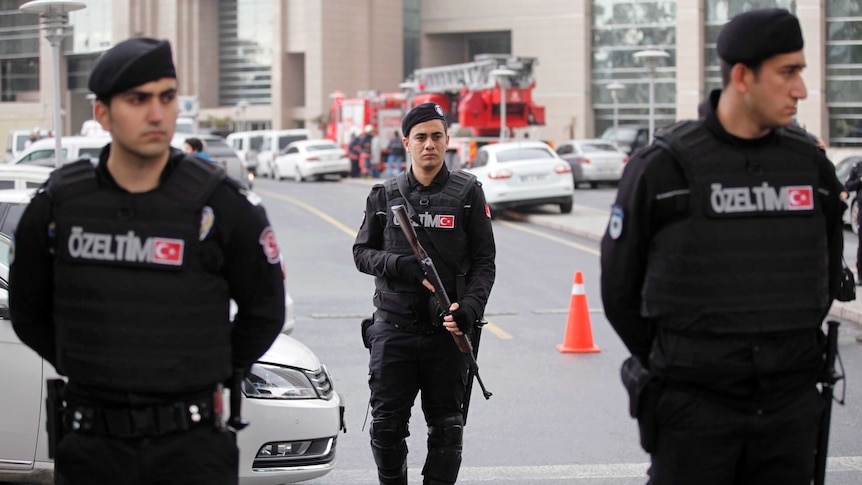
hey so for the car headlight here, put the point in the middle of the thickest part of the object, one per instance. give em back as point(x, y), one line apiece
point(267, 381)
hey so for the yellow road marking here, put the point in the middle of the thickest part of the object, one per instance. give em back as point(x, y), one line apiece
point(499, 332)
point(534, 232)
point(326, 217)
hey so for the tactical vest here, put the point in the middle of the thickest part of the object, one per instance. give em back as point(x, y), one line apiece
point(443, 214)
point(755, 239)
point(133, 308)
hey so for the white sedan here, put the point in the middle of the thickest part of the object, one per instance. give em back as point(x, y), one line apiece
point(593, 161)
point(288, 398)
point(307, 159)
point(522, 174)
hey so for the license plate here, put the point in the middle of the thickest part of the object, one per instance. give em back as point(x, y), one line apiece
point(532, 178)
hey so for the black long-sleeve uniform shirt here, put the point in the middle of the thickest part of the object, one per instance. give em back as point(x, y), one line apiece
point(756, 369)
point(256, 284)
point(371, 258)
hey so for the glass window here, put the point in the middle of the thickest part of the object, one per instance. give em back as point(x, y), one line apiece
point(91, 27)
point(283, 141)
point(19, 51)
point(844, 72)
point(620, 29)
point(12, 218)
point(718, 12)
point(245, 51)
point(522, 154)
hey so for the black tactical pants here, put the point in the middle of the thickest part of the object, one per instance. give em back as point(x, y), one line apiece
point(703, 442)
point(200, 456)
point(401, 365)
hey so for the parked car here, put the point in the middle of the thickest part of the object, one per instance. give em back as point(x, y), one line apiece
point(593, 161)
point(23, 176)
point(275, 142)
point(842, 172)
point(247, 145)
point(629, 138)
point(306, 159)
point(288, 398)
point(41, 152)
point(523, 173)
point(220, 153)
point(17, 142)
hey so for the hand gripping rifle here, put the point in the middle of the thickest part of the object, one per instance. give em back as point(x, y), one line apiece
point(433, 276)
point(830, 378)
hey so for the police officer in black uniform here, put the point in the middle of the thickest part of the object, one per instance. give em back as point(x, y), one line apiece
point(854, 183)
point(122, 279)
point(410, 350)
point(721, 259)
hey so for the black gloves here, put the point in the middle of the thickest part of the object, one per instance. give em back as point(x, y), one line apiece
point(409, 269)
point(465, 317)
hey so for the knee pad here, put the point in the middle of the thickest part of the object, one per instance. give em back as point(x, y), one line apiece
point(445, 438)
point(388, 445)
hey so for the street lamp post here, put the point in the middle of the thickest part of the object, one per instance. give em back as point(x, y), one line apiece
point(502, 76)
point(55, 19)
point(241, 105)
point(614, 87)
point(651, 58)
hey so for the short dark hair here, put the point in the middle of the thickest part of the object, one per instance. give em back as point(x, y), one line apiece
point(196, 144)
point(726, 67)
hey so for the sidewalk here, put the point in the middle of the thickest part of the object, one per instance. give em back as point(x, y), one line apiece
point(591, 223)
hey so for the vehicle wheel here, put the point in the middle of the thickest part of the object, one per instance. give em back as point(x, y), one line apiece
point(297, 175)
point(854, 216)
point(566, 207)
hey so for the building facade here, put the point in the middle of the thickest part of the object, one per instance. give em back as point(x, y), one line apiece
point(254, 64)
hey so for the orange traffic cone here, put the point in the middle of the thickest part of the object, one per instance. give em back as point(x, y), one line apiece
point(579, 334)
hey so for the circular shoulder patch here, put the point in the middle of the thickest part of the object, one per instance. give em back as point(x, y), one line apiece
point(615, 226)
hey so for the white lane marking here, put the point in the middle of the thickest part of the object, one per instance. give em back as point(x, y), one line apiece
point(556, 239)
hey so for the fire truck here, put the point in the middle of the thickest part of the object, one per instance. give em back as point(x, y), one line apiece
point(469, 93)
point(472, 97)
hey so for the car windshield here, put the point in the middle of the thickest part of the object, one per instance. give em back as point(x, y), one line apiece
point(320, 147)
point(597, 147)
point(285, 140)
point(218, 148)
point(626, 135)
point(522, 154)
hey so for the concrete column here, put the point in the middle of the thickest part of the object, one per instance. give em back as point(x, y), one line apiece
point(690, 57)
point(813, 114)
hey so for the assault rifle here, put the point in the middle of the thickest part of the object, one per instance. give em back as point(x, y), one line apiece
point(235, 422)
point(830, 378)
point(433, 276)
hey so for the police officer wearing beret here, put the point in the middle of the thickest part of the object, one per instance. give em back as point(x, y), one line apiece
point(122, 279)
point(720, 261)
point(411, 351)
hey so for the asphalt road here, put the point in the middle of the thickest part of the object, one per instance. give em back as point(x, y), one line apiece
point(554, 418)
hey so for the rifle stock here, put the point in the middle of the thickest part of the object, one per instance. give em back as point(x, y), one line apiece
point(433, 276)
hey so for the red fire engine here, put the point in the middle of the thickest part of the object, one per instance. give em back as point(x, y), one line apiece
point(469, 93)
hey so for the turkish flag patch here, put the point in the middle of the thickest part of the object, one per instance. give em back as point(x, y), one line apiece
point(487, 211)
point(168, 251)
point(269, 245)
point(800, 197)
point(447, 222)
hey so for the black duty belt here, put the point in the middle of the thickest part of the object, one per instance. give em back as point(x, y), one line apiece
point(415, 328)
point(140, 422)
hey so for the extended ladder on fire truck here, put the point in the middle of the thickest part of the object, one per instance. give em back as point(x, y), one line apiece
point(475, 75)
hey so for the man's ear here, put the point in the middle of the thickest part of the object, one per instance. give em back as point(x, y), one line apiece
point(102, 112)
point(741, 77)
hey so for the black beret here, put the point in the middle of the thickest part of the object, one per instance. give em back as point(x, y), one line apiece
point(130, 63)
point(420, 114)
point(753, 36)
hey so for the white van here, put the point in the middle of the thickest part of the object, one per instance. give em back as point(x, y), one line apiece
point(17, 142)
point(275, 142)
point(41, 152)
point(247, 145)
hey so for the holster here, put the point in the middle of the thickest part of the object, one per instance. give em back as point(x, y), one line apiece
point(55, 407)
point(644, 389)
point(365, 324)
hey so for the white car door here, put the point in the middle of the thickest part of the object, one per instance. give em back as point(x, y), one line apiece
point(21, 400)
